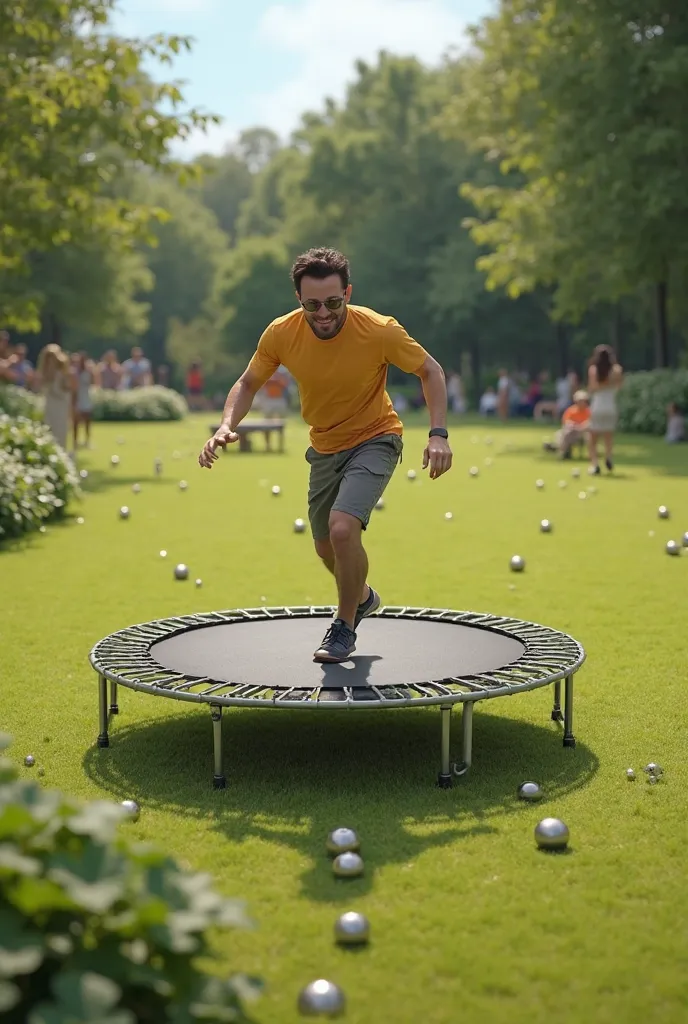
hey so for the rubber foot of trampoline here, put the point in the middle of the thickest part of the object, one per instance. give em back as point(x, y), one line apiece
point(103, 741)
point(557, 716)
point(219, 782)
point(444, 781)
point(569, 741)
point(114, 709)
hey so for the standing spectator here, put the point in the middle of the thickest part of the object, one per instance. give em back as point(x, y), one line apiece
point(455, 392)
point(273, 396)
point(503, 395)
point(605, 377)
point(676, 424)
point(489, 402)
point(83, 380)
point(7, 368)
point(110, 371)
point(194, 386)
point(162, 375)
point(23, 367)
point(137, 370)
point(55, 384)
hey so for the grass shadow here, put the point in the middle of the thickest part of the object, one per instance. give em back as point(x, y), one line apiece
point(292, 777)
point(102, 480)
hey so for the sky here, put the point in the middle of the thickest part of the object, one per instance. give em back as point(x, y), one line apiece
point(267, 61)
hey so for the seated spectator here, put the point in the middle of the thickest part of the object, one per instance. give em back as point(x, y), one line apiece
point(137, 370)
point(676, 424)
point(273, 395)
point(194, 386)
point(489, 403)
point(574, 426)
point(110, 371)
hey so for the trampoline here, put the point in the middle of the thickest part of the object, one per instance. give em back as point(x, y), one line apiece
point(405, 657)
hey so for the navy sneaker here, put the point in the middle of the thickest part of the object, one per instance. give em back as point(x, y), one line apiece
point(369, 607)
point(338, 645)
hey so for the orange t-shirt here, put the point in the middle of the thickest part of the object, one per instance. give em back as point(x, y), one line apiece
point(342, 382)
point(577, 417)
point(276, 386)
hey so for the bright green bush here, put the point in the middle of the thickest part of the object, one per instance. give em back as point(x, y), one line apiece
point(154, 403)
point(18, 402)
point(644, 398)
point(37, 479)
point(94, 928)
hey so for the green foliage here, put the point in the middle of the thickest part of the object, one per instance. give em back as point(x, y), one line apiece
point(37, 478)
point(77, 109)
point(644, 398)
point(94, 928)
point(16, 401)
point(152, 403)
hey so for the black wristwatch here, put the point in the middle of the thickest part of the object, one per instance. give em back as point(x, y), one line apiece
point(439, 432)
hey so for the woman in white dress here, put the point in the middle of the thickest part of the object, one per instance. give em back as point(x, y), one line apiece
point(55, 384)
point(605, 377)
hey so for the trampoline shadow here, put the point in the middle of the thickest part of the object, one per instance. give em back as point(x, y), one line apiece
point(291, 778)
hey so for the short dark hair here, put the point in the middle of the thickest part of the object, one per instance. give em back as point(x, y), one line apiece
point(320, 263)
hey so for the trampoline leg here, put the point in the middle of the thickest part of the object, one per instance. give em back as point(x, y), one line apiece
point(114, 706)
point(569, 738)
point(219, 781)
point(103, 738)
point(556, 710)
point(444, 779)
point(467, 730)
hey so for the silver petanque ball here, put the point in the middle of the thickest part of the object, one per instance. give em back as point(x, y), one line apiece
point(474, 471)
point(348, 865)
point(448, 516)
point(352, 929)
point(163, 554)
point(517, 564)
point(343, 840)
point(582, 495)
point(199, 584)
point(183, 486)
point(132, 808)
point(299, 526)
point(673, 547)
point(124, 512)
point(652, 780)
point(321, 999)
point(630, 775)
point(540, 484)
point(663, 512)
point(530, 791)
point(81, 520)
point(685, 540)
point(83, 473)
point(411, 475)
point(136, 488)
point(653, 769)
point(276, 490)
point(551, 834)
point(546, 526)
point(29, 760)
point(114, 460)
point(380, 505)
point(181, 571)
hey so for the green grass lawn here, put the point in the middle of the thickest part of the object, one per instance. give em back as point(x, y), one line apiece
point(470, 922)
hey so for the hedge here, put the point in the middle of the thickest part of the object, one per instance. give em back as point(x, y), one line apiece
point(37, 478)
point(94, 927)
point(154, 403)
point(18, 402)
point(644, 398)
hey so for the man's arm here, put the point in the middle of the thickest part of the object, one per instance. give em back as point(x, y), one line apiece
point(435, 391)
point(240, 399)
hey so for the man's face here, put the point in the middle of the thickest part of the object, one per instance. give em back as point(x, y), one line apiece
point(136, 354)
point(325, 323)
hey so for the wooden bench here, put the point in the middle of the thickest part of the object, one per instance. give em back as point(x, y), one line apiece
point(267, 428)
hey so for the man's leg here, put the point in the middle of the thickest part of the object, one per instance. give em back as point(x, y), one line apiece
point(326, 554)
point(350, 564)
point(592, 448)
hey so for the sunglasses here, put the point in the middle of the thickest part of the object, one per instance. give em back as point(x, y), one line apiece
point(333, 304)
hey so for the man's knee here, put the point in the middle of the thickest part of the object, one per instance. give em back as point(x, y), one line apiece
point(323, 548)
point(344, 529)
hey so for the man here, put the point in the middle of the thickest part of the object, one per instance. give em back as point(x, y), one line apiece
point(339, 355)
point(575, 424)
point(137, 370)
point(8, 373)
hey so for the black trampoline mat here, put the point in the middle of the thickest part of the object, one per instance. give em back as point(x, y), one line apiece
point(278, 653)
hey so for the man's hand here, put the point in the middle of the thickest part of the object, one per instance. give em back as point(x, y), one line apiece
point(220, 439)
point(437, 455)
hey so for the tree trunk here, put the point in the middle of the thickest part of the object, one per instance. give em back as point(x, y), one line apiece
point(661, 326)
point(617, 331)
point(476, 369)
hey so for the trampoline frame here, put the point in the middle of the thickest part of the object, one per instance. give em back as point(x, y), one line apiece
point(124, 659)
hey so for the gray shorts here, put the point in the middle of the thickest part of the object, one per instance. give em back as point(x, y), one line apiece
point(351, 481)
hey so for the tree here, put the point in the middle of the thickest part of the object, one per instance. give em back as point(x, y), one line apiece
point(225, 185)
point(76, 108)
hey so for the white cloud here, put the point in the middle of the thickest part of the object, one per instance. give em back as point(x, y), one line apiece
point(328, 38)
point(215, 140)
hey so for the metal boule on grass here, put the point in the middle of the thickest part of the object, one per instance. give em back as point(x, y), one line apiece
point(652, 780)
point(540, 484)
point(124, 512)
point(630, 775)
point(685, 539)
point(321, 998)
point(380, 504)
point(80, 520)
point(551, 834)
point(352, 929)
point(582, 495)
point(276, 490)
point(199, 583)
point(653, 769)
point(348, 865)
point(299, 526)
point(132, 808)
point(474, 471)
point(530, 791)
point(83, 473)
point(114, 460)
point(663, 512)
point(181, 571)
point(448, 516)
point(183, 486)
point(546, 526)
point(343, 840)
point(673, 547)
point(163, 554)
point(136, 488)
point(517, 563)
point(29, 760)
point(411, 475)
